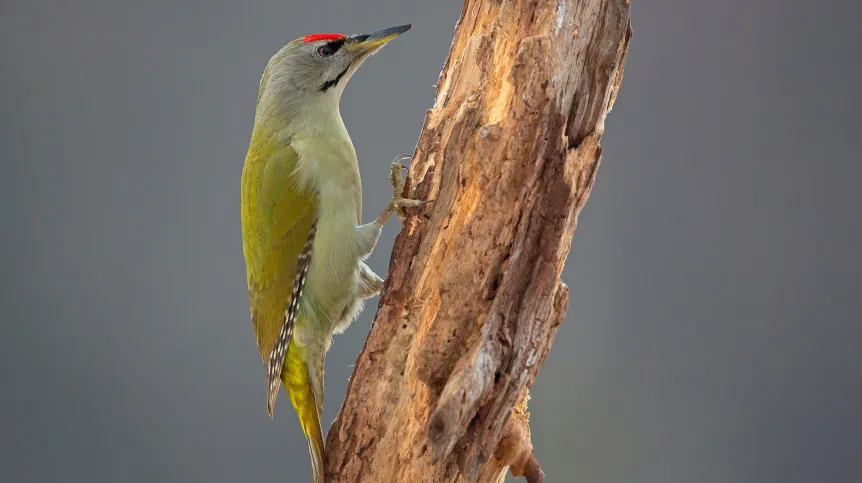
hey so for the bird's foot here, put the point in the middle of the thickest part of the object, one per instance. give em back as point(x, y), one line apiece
point(398, 204)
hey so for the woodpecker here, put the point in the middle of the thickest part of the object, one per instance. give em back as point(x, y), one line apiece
point(303, 240)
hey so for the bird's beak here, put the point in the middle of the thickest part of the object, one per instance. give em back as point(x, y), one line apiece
point(368, 43)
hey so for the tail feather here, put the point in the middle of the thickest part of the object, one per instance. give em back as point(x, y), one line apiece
point(299, 388)
point(315, 452)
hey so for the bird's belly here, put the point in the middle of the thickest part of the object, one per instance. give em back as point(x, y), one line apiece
point(333, 276)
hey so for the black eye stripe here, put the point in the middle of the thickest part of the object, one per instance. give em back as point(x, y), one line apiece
point(330, 48)
point(335, 44)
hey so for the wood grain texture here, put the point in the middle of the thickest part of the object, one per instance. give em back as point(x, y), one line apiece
point(473, 298)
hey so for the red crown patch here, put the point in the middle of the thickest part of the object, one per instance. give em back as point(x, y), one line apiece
point(316, 37)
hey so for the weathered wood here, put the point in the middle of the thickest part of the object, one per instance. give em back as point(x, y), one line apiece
point(473, 297)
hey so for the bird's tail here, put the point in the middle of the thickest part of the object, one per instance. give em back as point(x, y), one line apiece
point(298, 385)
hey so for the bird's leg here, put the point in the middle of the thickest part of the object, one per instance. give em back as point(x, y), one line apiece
point(398, 204)
point(368, 234)
point(370, 283)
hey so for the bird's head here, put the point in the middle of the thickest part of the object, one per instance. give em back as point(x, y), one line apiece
point(313, 70)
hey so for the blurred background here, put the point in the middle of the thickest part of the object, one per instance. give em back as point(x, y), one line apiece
point(715, 321)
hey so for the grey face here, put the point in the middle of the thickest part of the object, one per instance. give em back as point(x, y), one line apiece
point(325, 63)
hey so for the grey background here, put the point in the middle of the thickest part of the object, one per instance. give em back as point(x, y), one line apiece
point(715, 321)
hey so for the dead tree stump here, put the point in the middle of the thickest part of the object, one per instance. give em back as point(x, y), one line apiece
point(473, 297)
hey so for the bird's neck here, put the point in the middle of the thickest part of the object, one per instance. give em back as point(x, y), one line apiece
point(307, 121)
point(317, 133)
point(297, 113)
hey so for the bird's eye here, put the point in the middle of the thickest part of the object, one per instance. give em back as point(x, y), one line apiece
point(325, 51)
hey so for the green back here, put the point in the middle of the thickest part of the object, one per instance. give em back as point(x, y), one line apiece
point(276, 219)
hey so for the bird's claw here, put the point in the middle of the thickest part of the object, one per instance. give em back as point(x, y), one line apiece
point(396, 179)
point(402, 157)
point(400, 206)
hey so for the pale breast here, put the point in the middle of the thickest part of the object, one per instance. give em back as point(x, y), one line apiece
point(332, 281)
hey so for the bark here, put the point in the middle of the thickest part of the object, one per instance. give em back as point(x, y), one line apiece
point(473, 299)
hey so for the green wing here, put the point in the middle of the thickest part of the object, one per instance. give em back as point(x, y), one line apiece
point(278, 228)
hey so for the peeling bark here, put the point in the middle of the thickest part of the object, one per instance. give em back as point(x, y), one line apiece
point(473, 299)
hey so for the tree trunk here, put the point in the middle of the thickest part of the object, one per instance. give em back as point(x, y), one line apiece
point(473, 299)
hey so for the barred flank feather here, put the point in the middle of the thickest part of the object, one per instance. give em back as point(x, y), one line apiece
point(275, 364)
